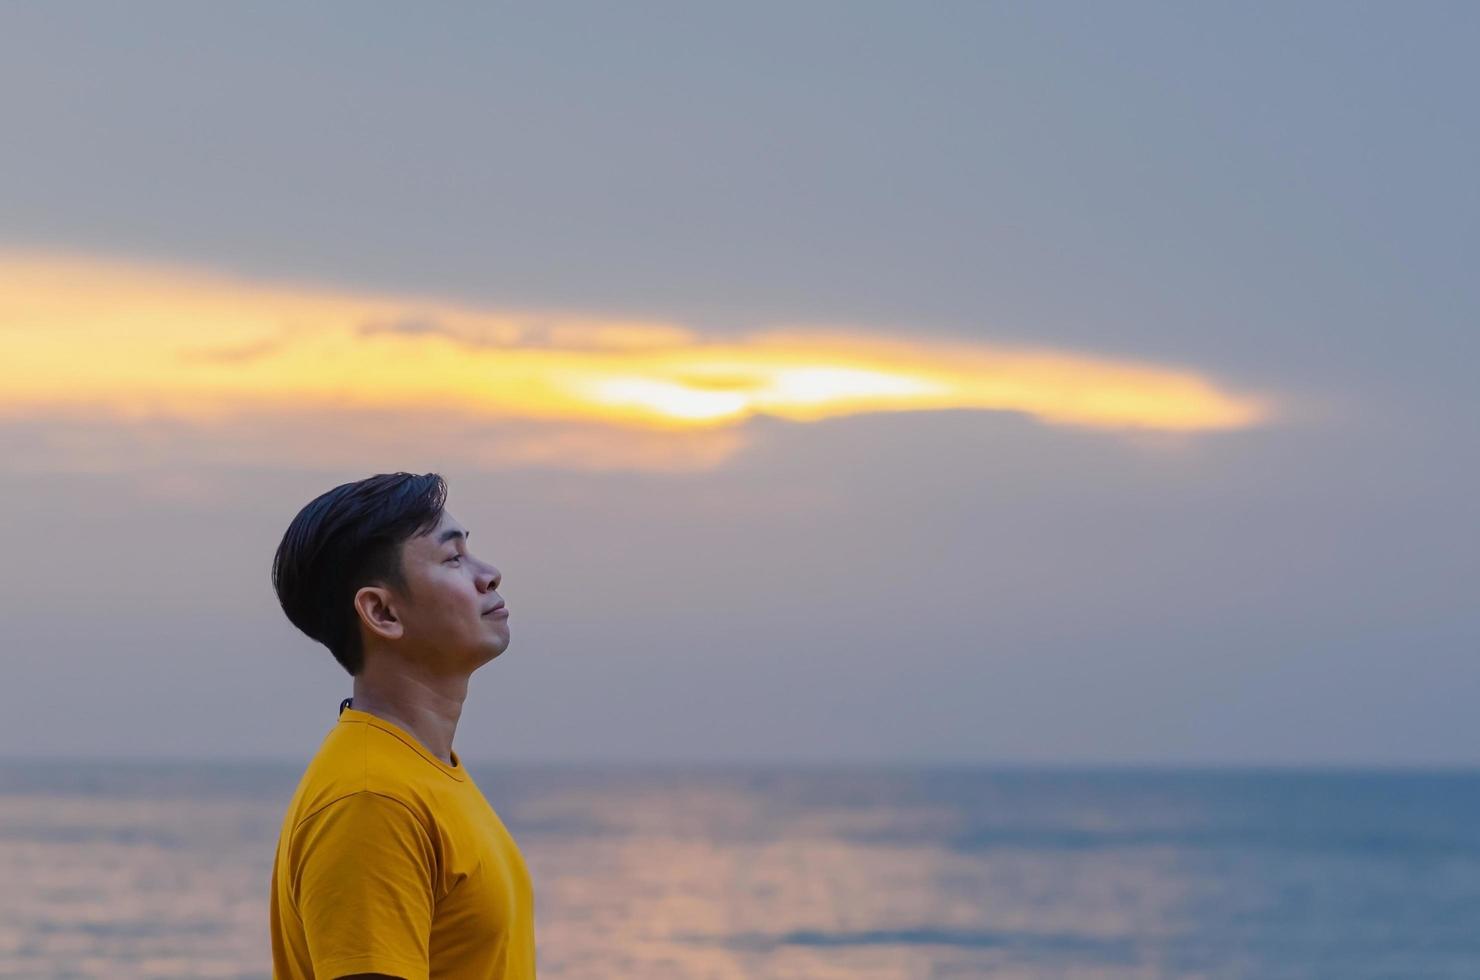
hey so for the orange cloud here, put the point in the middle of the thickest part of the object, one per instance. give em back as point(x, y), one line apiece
point(85, 338)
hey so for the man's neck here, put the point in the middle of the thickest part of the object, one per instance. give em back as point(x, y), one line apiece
point(427, 708)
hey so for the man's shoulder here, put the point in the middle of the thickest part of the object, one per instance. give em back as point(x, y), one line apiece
point(361, 808)
point(351, 768)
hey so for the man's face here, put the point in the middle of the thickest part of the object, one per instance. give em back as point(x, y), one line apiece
point(448, 614)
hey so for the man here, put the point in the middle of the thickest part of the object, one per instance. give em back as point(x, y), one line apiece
point(390, 862)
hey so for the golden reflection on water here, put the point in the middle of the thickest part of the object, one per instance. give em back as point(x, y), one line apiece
point(132, 888)
point(647, 882)
point(662, 898)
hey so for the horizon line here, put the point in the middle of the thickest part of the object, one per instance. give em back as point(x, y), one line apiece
point(1067, 766)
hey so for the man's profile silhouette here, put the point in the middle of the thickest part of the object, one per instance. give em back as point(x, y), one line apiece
point(390, 861)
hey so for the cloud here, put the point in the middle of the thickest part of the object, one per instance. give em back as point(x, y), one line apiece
point(407, 326)
point(235, 354)
point(532, 333)
point(271, 370)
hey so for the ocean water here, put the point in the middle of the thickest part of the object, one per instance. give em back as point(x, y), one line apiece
point(127, 870)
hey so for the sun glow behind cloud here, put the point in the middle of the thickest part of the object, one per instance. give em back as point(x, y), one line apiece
point(120, 343)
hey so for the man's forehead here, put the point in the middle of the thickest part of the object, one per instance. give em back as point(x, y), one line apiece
point(447, 529)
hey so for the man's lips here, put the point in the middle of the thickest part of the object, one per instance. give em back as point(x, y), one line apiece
point(497, 610)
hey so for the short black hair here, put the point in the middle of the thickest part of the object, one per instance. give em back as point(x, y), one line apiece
point(346, 539)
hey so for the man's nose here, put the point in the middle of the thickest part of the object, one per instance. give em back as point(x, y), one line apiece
point(491, 576)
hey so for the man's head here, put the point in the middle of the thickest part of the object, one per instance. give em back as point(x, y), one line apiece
point(380, 562)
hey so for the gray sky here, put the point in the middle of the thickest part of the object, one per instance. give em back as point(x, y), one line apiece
point(1282, 198)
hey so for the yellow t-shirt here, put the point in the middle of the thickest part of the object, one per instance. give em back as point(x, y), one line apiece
point(391, 861)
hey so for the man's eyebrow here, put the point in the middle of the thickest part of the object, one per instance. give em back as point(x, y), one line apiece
point(453, 533)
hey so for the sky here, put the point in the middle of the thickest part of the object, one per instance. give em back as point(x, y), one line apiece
point(960, 383)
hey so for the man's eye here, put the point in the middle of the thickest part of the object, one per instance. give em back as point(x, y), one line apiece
point(455, 558)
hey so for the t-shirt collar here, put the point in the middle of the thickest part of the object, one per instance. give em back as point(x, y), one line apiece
point(349, 713)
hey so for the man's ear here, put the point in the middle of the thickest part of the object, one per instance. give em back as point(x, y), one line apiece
point(373, 604)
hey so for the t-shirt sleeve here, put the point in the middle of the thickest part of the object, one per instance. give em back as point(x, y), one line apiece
point(365, 876)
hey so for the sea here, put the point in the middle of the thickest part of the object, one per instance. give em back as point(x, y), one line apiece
point(160, 869)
